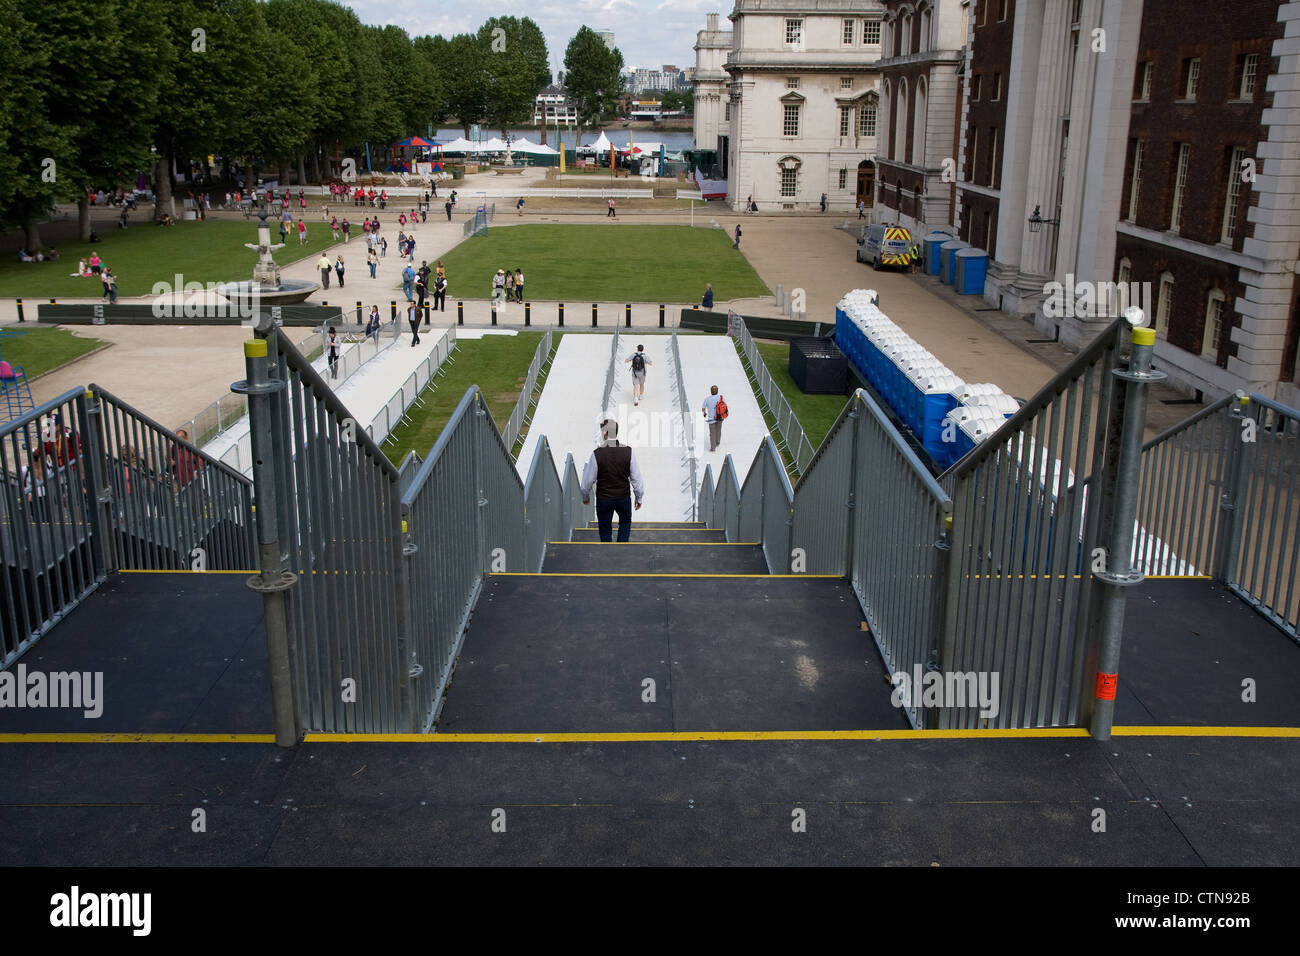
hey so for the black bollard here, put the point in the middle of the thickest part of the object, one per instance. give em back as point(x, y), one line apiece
point(528, 313)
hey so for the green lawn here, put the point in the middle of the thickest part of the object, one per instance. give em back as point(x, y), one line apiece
point(816, 413)
point(38, 350)
point(497, 364)
point(211, 251)
point(606, 262)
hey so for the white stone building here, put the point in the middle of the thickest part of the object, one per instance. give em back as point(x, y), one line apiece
point(803, 101)
point(712, 110)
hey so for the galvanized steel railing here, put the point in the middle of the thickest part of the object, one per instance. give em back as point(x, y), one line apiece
point(1219, 496)
point(790, 432)
point(1019, 602)
point(519, 415)
point(764, 509)
point(410, 394)
point(53, 541)
point(724, 501)
point(688, 430)
point(704, 500)
point(170, 507)
point(611, 380)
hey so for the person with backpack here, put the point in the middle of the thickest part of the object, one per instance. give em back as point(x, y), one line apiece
point(408, 283)
point(610, 469)
point(715, 412)
point(639, 362)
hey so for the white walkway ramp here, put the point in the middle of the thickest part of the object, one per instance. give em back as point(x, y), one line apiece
point(568, 413)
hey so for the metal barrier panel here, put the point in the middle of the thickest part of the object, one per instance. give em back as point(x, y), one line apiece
point(751, 500)
point(688, 430)
point(777, 509)
point(51, 532)
point(544, 512)
point(704, 501)
point(791, 432)
point(576, 514)
point(338, 520)
point(1263, 559)
point(899, 549)
point(501, 498)
point(407, 470)
point(1019, 595)
point(519, 415)
point(409, 392)
point(730, 507)
point(610, 378)
point(823, 509)
point(170, 506)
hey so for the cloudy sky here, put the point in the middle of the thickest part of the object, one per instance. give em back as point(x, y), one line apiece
point(649, 33)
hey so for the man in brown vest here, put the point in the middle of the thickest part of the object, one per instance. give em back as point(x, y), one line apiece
point(611, 468)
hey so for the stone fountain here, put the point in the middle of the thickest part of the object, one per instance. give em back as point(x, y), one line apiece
point(267, 287)
point(508, 167)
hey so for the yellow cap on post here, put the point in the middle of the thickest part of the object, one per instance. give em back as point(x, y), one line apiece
point(947, 522)
point(255, 348)
point(1144, 336)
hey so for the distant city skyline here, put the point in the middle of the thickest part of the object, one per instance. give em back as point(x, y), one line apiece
point(649, 33)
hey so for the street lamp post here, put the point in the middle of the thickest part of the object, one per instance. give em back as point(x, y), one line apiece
point(1036, 220)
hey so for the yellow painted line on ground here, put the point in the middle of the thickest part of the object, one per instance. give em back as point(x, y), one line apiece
point(1062, 577)
point(647, 574)
point(685, 544)
point(180, 571)
point(1007, 733)
point(123, 738)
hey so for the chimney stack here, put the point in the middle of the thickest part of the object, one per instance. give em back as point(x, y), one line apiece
point(713, 22)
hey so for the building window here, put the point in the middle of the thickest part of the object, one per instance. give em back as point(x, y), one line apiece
point(975, 84)
point(995, 180)
point(789, 183)
point(974, 151)
point(1076, 11)
point(871, 32)
point(1233, 197)
point(1191, 77)
point(1180, 186)
point(1247, 65)
point(792, 82)
point(1135, 183)
point(793, 32)
point(924, 39)
point(1121, 287)
point(1164, 304)
point(997, 87)
point(867, 119)
point(846, 82)
point(988, 230)
point(907, 36)
point(849, 32)
point(1213, 335)
point(790, 127)
point(1002, 11)
point(846, 120)
point(726, 111)
point(844, 178)
point(1142, 88)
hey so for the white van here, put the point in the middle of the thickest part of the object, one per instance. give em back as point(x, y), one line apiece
point(883, 245)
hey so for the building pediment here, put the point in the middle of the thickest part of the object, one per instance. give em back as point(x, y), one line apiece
point(794, 99)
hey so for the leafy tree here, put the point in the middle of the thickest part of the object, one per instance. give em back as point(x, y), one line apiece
point(465, 80)
point(515, 68)
point(593, 77)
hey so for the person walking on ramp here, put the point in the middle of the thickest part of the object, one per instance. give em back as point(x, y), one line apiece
point(611, 467)
point(715, 411)
point(639, 362)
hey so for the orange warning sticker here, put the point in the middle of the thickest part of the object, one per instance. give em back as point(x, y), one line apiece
point(1106, 686)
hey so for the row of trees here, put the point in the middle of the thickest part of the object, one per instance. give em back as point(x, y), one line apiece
point(96, 89)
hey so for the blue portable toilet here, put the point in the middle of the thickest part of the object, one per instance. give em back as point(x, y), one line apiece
point(948, 264)
point(971, 265)
point(930, 250)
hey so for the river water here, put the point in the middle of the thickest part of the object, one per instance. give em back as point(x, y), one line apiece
point(673, 139)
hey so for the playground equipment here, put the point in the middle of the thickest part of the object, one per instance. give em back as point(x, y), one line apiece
point(15, 392)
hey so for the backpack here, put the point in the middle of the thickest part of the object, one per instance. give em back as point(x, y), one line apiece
point(720, 410)
point(638, 362)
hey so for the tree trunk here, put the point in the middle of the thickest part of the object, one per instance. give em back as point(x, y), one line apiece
point(164, 203)
point(83, 216)
point(315, 164)
point(284, 174)
point(32, 230)
point(302, 170)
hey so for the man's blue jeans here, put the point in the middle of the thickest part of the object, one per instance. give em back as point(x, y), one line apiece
point(408, 289)
point(605, 508)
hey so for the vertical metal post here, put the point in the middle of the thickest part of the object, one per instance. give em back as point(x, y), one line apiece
point(1119, 574)
point(561, 315)
point(20, 311)
point(628, 315)
point(408, 668)
point(427, 319)
point(361, 319)
point(661, 315)
point(593, 315)
point(494, 312)
point(460, 313)
point(392, 307)
point(528, 314)
point(273, 579)
point(99, 492)
point(1229, 543)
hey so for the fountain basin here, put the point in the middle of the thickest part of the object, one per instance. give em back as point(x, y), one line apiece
point(508, 170)
point(288, 292)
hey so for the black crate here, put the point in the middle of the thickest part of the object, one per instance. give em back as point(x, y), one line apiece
point(818, 366)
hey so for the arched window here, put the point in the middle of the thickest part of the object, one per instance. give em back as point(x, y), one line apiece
point(1164, 304)
point(918, 122)
point(923, 41)
point(1213, 336)
point(886, 145)
point(906, 34)
point(867, 116)
point(900, 152)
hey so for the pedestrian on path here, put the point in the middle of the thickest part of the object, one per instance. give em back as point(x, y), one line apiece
point(823, 202)
point(408, 283)
point(713, 418)
point(519, 285)
point(447, 206)
point(708, 297)
point(302, 232)
point(736, 244)
point(383, 246)
point(372, 260)
point(373, 323)
point(334, 228)
point(347, 229)
point(520, 205)
point(610, 469)
point(440, 292)
point(323, 264)
point(862, 209)
point(611, 214)
point(639, 362)
point(421, 287)
point(338, 269)
point(413, 320)
point(333, 356)
point(509, 286)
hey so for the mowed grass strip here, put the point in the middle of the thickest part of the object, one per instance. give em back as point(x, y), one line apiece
point(40, 350)
point(211, 251)
point(605, 262)
point(816, 413)
point(497, 364)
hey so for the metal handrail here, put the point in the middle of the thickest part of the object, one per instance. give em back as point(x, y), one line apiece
point(518, 416)
point(688, 431)
point(609, 376)
point(789, 429)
